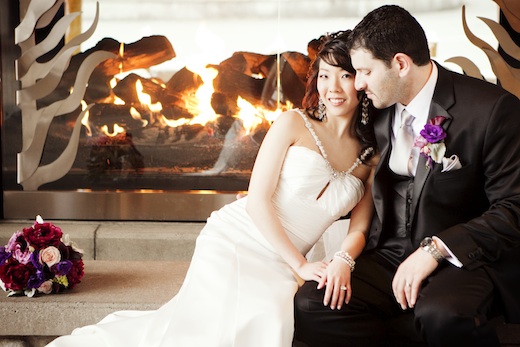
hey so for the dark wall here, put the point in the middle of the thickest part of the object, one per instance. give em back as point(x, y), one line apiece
point(9, 19)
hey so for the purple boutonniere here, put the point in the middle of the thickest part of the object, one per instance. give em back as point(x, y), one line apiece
point(431, 141)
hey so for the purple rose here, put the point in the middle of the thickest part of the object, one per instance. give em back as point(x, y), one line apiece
point(433, 133)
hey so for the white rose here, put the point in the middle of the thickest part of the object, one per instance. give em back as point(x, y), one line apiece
point(437, 151)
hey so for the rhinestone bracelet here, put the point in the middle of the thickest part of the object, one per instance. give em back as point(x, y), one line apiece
point(347, 258)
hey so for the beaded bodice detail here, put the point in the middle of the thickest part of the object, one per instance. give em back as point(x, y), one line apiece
point(310, 195)
point(334, 173)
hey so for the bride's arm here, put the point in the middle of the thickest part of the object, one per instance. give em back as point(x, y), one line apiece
point(338, 271)
point(284, 132)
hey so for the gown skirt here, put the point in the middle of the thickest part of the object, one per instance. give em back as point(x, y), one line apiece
point(238, 292)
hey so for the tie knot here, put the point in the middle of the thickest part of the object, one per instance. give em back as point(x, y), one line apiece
point(406, 118)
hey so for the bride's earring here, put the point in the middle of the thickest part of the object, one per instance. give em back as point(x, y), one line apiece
point(322, 113)
point(364, 110)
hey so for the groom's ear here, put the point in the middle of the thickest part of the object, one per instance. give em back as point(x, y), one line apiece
point(403, 63)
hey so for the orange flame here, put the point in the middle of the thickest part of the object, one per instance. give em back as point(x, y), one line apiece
point(199, 105)
point(146, 100)
point(117, 101)
point(202, 109)
point(121, 55)
point(85, 119)
point(117, 130)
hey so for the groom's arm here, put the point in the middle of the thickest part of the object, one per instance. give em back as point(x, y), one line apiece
point(482, 239)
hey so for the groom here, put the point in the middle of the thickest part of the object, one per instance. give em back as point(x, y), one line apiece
point(444, 246)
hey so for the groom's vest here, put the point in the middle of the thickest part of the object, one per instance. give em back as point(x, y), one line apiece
point(395, 242)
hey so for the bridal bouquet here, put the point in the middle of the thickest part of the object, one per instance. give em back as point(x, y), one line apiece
point(40, 259)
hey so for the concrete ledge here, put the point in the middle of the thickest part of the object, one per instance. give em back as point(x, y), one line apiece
point(107, 286)
point(146, 241)
point(84, 233)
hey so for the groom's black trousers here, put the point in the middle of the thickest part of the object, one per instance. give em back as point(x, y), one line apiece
point(451, 309)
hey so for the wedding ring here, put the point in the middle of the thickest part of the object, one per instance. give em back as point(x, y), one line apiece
point(343, 287)
point(408, 284)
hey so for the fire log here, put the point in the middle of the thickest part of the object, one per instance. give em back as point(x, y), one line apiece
point(146, 52)
point(127, 91)
point(235, 78)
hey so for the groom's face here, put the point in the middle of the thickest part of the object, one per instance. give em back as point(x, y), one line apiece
point(380, 82)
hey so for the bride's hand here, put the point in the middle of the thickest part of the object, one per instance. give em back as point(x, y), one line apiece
point(312, 271)
point(337, 282)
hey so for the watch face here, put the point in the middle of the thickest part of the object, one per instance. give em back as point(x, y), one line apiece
point(426, 242)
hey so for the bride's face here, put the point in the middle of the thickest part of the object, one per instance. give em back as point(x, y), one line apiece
point(336, 89)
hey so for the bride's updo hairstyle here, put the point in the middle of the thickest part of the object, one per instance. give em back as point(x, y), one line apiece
point(333, 49)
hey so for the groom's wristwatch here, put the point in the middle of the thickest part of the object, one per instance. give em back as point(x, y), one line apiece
point(428, 245)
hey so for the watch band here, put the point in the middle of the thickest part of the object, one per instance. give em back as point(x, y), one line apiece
point(429, 246)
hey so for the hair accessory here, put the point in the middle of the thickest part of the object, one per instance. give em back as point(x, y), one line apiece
point(322, 113)
point(364, 110)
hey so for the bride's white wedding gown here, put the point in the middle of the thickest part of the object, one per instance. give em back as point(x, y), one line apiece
point(238, 291)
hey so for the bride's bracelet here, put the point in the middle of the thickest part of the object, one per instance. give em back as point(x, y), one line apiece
point(347, 258)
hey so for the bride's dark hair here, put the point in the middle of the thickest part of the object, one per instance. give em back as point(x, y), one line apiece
point(334, 50)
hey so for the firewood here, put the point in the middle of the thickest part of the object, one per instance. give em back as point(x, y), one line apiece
point(126, 89)
point(234, 83)
point(146, 52)
point(250, 63)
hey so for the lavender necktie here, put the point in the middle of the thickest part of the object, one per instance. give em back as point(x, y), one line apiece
point(400, 158)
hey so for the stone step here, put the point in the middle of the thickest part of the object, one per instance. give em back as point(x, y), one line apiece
point(166, 241)
point(128, 266)
point(107, 286)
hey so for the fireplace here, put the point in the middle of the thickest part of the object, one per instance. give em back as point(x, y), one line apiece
point(99, 132)
point(105, 141)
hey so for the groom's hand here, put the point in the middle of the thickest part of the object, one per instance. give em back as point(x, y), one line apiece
point(410, 275)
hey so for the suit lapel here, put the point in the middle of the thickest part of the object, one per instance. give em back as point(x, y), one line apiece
point(442, 100)
point(382, 129)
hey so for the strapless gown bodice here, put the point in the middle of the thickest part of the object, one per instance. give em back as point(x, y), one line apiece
point(305, 217)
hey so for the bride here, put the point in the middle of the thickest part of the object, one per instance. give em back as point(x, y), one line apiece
point(314, 166)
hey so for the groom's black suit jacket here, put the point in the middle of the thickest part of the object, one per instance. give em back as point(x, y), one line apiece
point(475, 210)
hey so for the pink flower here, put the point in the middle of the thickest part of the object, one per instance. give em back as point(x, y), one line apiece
point(50, 256)
point(46, 287)
point(437, 120)
point(19, 248)
point(420, 142)
point(425, 150)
